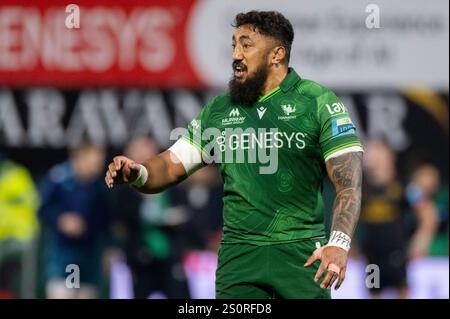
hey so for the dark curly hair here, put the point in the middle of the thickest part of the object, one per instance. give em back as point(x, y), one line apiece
point(269, 23)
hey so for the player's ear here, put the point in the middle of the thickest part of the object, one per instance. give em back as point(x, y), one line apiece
point(278, 55)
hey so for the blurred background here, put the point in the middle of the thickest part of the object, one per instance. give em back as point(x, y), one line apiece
point(73, 95)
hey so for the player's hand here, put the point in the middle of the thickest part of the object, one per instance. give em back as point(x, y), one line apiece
point(122, 170)
point(333, 262)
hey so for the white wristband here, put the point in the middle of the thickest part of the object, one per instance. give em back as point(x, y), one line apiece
point(339, 239)
point(142, 177)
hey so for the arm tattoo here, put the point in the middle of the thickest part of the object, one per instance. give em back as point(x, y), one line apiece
point(345, 172)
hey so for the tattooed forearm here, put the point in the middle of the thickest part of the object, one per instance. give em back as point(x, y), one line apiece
point(345, 172)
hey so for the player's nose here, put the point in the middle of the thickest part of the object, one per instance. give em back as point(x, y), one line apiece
point(237, 54)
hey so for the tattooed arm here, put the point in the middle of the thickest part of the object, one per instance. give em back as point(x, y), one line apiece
point(345, 172)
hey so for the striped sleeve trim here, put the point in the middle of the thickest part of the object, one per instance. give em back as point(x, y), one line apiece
point(343, 150)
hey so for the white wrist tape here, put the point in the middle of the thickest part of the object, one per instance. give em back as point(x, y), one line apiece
point(142, 177)
point(339, 239)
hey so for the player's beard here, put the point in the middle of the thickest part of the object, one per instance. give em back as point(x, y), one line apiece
point(248, 92)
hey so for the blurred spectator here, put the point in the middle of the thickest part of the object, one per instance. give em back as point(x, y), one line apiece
point(383, 230)
point(150, 228)
point(204, 191)
point(420, 192)
point(18, 225)
point(382, 234)
point(74, 212)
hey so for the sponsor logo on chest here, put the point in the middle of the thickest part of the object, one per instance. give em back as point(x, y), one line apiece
point(234, 117)
point(288, 112)
point(261, 110)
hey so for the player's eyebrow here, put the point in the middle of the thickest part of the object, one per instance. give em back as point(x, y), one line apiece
point(241, 38)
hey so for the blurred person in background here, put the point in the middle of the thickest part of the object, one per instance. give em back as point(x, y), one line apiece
point(203, 192)
point(422, 194)
point(150, 228)
point(74, 213)
point(18, 226)
point(383, 234)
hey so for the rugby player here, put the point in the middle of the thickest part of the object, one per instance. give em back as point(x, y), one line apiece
point(274, 136)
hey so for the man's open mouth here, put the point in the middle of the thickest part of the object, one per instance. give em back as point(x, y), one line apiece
point(239, 71)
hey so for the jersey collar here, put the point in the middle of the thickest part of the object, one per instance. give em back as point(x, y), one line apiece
point(290, 80)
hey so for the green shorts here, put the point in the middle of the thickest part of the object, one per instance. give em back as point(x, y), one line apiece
point(248, 271)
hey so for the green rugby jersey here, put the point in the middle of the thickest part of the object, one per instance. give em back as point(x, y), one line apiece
point(272, 158)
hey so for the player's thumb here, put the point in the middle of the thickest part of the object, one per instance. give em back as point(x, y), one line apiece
point(316, 255)
point(311, 260)
point(135, 170)
point(134, 167)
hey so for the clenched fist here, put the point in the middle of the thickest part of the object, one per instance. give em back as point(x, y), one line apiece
point(122, 170)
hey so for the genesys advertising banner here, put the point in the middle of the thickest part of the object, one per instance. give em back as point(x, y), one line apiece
point(187, 43)
point(120, 43)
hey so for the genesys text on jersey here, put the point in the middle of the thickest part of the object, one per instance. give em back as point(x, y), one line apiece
point(237, 145)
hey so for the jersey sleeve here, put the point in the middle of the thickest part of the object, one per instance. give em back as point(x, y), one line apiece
point(189, 149)
point(337, 131)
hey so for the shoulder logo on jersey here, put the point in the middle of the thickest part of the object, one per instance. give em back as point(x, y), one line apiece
point(336, 108)
point(342, 126)
point(234, 117)
point(261, 110)
point(288, 109)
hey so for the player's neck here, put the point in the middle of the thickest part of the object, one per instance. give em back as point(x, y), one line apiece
point(276, 76)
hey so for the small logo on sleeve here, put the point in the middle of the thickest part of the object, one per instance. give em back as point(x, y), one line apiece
point(342, 126)
point(195, 124)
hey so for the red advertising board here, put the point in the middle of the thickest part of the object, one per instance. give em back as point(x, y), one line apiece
point(187, 43)
point(117, 43)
